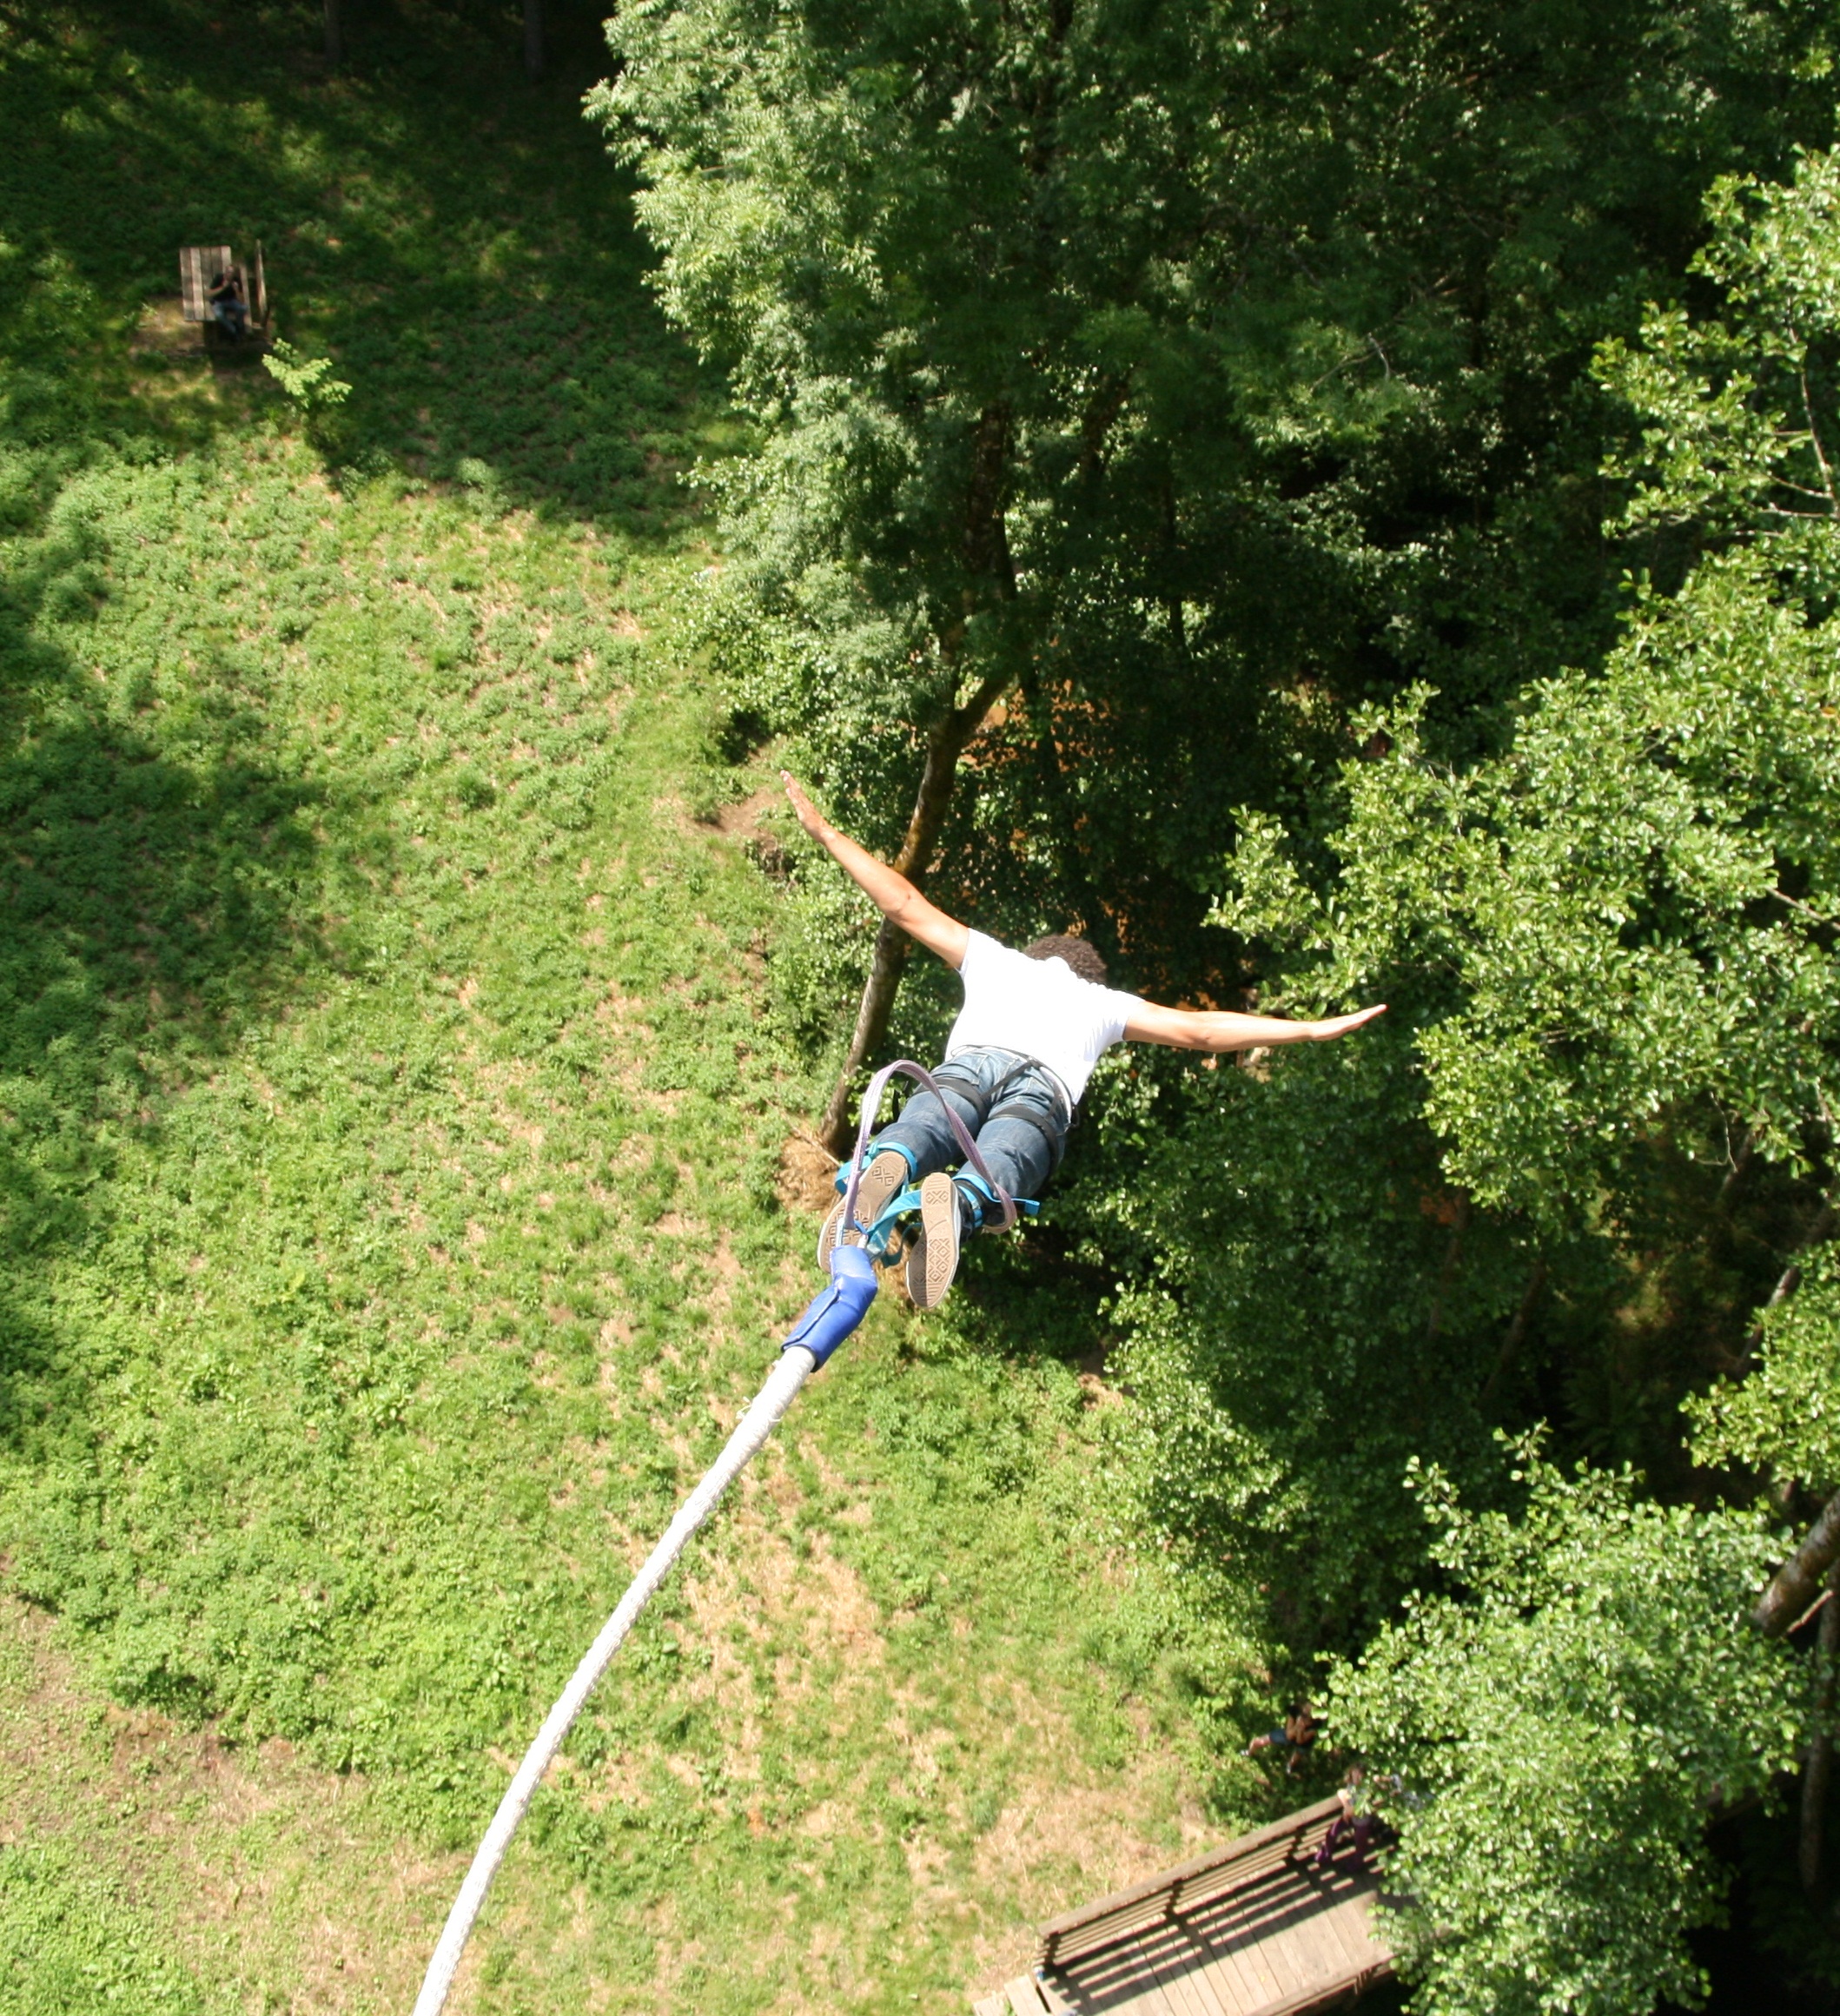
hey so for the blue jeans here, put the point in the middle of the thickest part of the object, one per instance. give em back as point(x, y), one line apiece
point(1011, 1106)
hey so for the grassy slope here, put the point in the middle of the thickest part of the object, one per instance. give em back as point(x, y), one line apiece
point(388, 1135)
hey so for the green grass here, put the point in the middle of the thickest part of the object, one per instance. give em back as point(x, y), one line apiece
point(389, 1130)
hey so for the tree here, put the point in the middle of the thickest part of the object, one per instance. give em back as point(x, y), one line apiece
point(1611, 950)
point(1625, 914)
point(1606, 954)
point(1550, 1732)
point(1136, 388)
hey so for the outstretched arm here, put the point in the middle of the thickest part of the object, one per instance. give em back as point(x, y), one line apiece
point(886, 887)
point(1208, 1029)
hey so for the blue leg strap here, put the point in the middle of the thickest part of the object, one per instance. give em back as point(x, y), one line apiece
point(896, 1209)
point(840, 1181)
point(984, 1200)
point(970, 1185)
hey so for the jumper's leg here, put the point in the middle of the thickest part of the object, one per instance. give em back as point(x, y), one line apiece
point(886, 1175)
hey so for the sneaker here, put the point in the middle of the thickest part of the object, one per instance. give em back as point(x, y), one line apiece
point(884, 1178)
point(933, 1257)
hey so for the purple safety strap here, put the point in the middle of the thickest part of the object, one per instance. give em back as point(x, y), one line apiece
point(872, 1105)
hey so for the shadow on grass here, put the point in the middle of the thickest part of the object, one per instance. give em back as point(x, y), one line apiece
point(456, 237)
point(460, 242)
point(151, 886)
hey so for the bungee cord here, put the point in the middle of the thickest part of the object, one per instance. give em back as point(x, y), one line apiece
point(829, 1316)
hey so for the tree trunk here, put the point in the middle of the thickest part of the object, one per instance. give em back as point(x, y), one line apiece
point(1818, 1767)
point(1076, 886)
point(334, 37)
point(1797, 1582)
point(534, 38)
point(987, 560)
point(1791, 1278)
point(944, 747)
point(1447, 1272)
point(1516, 1334)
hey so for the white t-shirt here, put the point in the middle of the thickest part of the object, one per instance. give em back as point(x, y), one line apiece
point(1039, 1007)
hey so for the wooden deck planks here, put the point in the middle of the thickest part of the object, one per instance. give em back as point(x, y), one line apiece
point(1245, 1932)
point(1233, 1961)
point(1309, 1941)
point(1346, 1915)
point(1293, 1934)
point(1230, 1938)
point(1178, 1961)
point(1276, 1934)
point(1119, 1981)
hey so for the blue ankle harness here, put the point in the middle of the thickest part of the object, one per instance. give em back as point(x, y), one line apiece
point(985, 1192)
point(967, 1181)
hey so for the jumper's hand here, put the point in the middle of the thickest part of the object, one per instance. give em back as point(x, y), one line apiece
point(808, 815)
point(891, 893)
point(1340, 1025)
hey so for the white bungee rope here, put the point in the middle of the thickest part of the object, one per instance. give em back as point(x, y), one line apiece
point(827, 1321)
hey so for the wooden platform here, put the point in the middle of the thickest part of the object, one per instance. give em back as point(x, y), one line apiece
point(199, 265)
point(1250, 1929)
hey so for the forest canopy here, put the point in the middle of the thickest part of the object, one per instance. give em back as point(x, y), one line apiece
point(1340, 507)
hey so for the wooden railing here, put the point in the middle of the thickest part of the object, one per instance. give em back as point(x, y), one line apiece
point(1128, 1914)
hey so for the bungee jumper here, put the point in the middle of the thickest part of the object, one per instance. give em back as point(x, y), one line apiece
point(1034, 1024)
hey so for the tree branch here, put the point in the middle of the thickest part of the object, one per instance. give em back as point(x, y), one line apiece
point(1516, 1333)
point(1095, 423)
point(1797, 1582)
point(1814, 432)
point(1790, 1278)
point(990, 566)
point(944, 747)
point(1817, 1767)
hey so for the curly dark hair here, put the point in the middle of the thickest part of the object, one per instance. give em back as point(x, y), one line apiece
point(1078, 953)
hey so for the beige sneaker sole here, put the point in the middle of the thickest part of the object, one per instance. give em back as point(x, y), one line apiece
point(885, 1177)
point(933, 1258)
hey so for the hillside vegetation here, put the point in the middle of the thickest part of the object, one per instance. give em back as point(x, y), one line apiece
point(391, 1131)
point(1337, 506)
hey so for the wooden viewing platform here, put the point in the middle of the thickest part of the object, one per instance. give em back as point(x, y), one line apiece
point(1250, 1929)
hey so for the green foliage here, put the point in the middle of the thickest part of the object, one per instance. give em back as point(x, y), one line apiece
point(1780, 1418)
point(70, 1944)
point(1291, 1232)
point(1608, 947)
point(1620, 917)
point(1740, 411)
point(1559, 1721)
point(307, 380)
point(1193, 427)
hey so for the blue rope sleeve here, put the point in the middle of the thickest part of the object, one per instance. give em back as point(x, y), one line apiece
point(833, 1312)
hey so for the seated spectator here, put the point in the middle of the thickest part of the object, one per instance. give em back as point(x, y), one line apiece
point(1355, 1818)
point(228, 306)
point(1294, 1738)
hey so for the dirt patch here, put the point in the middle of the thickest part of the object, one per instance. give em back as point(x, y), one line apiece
point(163, 332)
point(807, 1174)
point(743, 816)
point(269, 1870)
